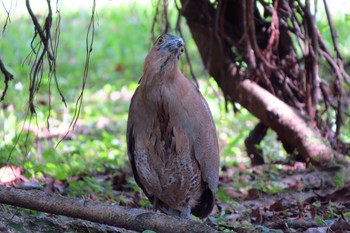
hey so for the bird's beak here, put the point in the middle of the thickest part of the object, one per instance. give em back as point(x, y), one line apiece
point(176, 46)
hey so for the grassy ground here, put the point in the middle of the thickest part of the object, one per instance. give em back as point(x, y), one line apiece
point(95, 152)
point(121, 43)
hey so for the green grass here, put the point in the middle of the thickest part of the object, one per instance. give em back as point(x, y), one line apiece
point(121, 42)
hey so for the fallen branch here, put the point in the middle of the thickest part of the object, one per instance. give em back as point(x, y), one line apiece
point(11, 221)
point(127, 218)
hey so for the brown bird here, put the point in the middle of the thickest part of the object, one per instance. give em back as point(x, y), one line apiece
point(171, 136)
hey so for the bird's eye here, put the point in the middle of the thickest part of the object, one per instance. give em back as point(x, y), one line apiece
point(160, 41)
point(182, 50)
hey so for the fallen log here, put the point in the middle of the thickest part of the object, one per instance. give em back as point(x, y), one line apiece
point(113, 215)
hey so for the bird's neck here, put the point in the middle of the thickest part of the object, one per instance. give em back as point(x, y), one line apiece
point(158, 76)
point(152, 83)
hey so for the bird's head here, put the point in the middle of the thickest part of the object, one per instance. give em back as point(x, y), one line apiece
point(165, 54)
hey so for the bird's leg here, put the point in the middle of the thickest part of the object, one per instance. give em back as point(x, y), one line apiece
point(167, 210)
point(155, 204)
point(186, 211)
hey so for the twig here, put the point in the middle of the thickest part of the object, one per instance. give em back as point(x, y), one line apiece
point(89, 41)
point(249, 55)
point(43, 38)
point(154, 21)
point(331, 27)
point(274, 37)
point(164, 16)
point(178, 29)
point(7, 77)
point(311, 62)
point(260, 60)
point(337, 67)
point(339, 78)
point(52, 71)
point(8, 19)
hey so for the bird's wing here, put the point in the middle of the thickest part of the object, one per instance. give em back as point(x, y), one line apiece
point(191, 113)
point(134, 116)
point(206, 149)
point(197, 120)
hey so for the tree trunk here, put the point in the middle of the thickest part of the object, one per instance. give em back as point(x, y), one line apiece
point(292, 128)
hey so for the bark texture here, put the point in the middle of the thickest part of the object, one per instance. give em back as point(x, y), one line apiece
point(254, 62)
point(288, 124)
point(132, 219)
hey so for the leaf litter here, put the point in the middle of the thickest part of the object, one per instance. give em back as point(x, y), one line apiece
point(305, 200)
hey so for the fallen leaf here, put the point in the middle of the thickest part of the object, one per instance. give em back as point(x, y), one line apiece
point(10, 173)
point(277, 206)
point(256, 216)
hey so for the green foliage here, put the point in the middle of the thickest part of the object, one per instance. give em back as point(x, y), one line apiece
point(340, 178)
point(17, 227)
point(148, 231)
point(145, 203)
point(221, 194)
point(89, 185)
point(99, 138)
point(121, 43)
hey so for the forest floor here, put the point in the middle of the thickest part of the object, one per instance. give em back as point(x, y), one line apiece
point(266, 198)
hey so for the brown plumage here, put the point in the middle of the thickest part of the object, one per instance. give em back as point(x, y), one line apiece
point(171, 136)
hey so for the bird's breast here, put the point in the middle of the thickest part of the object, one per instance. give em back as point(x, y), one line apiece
point(170, 161)
point(171, 165)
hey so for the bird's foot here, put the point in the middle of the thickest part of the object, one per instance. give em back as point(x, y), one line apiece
point(186, 211)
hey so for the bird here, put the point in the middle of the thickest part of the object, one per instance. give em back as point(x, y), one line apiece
point(171, 136)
